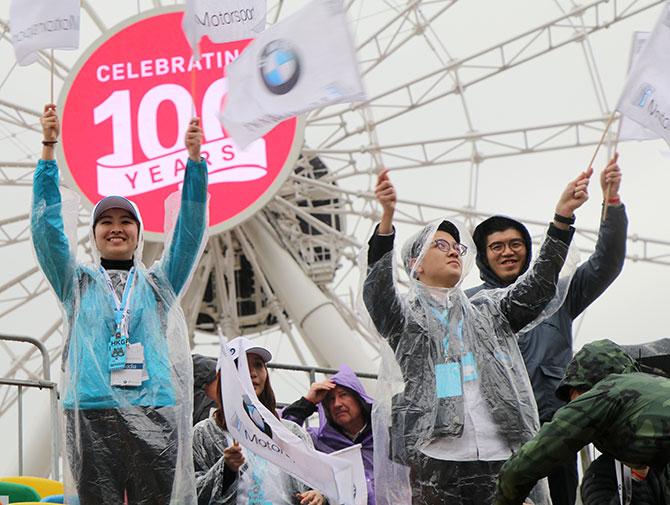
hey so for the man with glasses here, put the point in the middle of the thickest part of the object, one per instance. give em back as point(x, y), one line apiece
point(504, 253)
point(467, 404)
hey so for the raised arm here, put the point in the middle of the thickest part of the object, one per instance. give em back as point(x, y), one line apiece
point(526, 299)
point(574, 425)
point(180, 259)
point(595, 275)
point(304, 407)
point(379, 291)
point(46, 218)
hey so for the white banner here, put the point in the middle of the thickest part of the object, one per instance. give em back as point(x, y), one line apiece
point(250, 423)
point(223, 20)
point(646, 95)
point(43, 24)
point(225, 162)
point(304, 62)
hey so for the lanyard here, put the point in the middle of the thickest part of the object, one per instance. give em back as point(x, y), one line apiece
point(119, 339)
point(443, 318)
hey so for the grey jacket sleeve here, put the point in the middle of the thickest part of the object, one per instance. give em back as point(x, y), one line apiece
point(380, 296)
point(526, 299)
point(595, 275)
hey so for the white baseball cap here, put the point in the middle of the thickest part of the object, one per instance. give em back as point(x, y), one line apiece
point(236, 345)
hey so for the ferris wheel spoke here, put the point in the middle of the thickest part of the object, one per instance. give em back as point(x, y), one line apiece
point(423, 90)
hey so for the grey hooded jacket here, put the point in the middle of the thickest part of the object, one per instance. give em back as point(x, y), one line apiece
point(547, 348)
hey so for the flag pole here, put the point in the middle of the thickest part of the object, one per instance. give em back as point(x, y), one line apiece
point(608, 189)
point(196, 47)
point(52, 76)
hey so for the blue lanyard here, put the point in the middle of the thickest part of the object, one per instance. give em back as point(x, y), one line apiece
point(443, 318)
point(119, 339)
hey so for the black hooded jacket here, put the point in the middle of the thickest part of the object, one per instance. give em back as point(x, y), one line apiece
point(204, 372)
point(547, 348)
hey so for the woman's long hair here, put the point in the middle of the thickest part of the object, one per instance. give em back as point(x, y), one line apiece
point(267, 398)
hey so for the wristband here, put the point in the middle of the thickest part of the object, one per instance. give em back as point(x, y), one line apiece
point(49, 142)
point(614, 201)
point(565, 220)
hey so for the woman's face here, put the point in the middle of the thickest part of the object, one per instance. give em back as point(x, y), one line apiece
point(116, 235)
point(257, 371)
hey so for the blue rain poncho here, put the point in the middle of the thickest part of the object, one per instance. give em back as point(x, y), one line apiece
point(133, 440)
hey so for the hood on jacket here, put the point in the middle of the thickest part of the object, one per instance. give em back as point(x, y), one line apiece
point(204, 370)
point(593, 363)
point(481, 233)
point(346, 377)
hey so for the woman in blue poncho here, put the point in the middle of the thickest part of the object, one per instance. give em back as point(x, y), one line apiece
point(127, 381)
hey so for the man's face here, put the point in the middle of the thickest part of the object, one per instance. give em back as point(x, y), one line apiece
point(506, 254)
point(344, 408)
point(439, 268)
point(116, 234)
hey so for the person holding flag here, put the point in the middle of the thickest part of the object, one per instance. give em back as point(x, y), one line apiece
point(228, 475)
point(465, 403)
point(127, 383)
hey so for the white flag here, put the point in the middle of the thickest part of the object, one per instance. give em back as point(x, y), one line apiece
point(250, 423)
point(43, 24)
point(223, 20)
point(302, 63)
point(646, 95)
point(630, 130)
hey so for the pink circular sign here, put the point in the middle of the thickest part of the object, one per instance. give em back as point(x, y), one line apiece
point(126, 106)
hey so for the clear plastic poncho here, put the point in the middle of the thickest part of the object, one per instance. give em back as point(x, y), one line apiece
point(448, 361)
point(124, 441)
point(257, 482)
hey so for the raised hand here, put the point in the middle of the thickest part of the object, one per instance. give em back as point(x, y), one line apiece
point(193, 139)
point(318, 391)
point(386, 196)
point(574, 195)
point(50, 124)
point(611, 176)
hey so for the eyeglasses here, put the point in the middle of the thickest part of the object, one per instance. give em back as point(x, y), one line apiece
point(516, 244)
point(445, 246)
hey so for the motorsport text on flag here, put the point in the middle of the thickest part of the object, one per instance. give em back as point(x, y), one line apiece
point(43, 24)
point(223, 20)
point(250, 423)
point(304, 62)
point(646, 95)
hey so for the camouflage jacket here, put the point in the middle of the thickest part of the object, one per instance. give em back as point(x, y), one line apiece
point(623, 412)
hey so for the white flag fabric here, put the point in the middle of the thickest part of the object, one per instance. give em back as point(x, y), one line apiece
point(256, 429)
point(223, 20)
point(646, 95)
point(630, 130)
point(43, 24)
point(304, 62)
point(353, 455)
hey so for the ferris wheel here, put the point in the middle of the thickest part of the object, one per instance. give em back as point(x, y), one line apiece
point(456, 94)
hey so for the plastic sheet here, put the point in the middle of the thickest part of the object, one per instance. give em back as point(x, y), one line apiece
point(133, 440)
point(258, 480)
point(430, 333)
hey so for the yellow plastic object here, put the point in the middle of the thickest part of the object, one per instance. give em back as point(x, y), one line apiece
point(27, 503)
point(44, 487)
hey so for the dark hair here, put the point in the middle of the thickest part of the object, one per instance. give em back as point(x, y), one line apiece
point(267, 398)
point(495, 224)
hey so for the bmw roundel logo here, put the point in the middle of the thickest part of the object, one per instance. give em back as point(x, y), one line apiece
point(279, 66)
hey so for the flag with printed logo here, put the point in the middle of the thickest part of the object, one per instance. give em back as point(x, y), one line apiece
point(305, 62)
point(629, 129)
point(256, 429)
point(223, 20)
point(36, 25)
point(646, 95)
